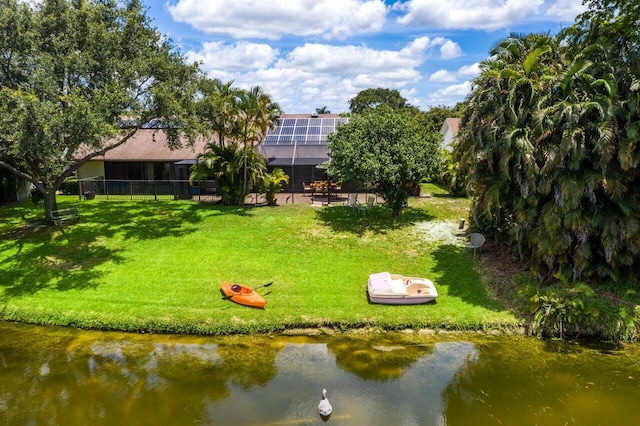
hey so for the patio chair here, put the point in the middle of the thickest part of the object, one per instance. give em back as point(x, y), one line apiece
point(363, 208)
point(476, 240)
point(306, 188)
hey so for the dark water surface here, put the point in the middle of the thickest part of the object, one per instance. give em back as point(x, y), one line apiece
point(74, 377)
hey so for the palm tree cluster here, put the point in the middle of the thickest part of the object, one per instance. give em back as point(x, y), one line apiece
point(549, 141)
point(236, 120)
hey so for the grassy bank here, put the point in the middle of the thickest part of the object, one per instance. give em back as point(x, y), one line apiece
point(156, 267)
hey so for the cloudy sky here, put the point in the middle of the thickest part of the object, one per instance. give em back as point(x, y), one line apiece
point(314, 53)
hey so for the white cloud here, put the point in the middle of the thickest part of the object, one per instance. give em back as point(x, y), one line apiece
point(444, 76)
point(345, 60)
point(566, 10)
point(450, 50)
point(273, 19)
point(450, 95)
point(241, 56)
point(469, 70)
point(487, 15)
point(317, 73)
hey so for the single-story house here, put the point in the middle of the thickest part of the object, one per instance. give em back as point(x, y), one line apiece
point(449, 131)
point(297, 144)
point(145, 156)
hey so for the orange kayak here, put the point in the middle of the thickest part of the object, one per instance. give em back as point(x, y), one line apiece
point(242, 294)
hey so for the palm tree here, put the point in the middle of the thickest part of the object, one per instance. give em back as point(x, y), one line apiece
point(227, 165)
point(218, 107)
point(498, 138)
point(578, 126)
point(323, 110)
point(257, 114)
point(552, 171)
point(498, 119)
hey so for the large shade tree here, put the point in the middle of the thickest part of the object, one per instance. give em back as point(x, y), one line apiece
point(389, 149)
point(552, 131)
point(372, 98)
point(79, 78)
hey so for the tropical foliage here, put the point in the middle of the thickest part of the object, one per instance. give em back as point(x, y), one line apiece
point(217, 107)
point(272, 184)
point(71, 73)
point(240, 119)
point(389, 149)
point(228, 166)
point(551, 134)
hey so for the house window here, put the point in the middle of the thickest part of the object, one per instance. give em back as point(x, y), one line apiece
point(124, 170)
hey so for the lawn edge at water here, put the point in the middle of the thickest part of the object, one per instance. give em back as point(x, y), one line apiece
point(26, 223)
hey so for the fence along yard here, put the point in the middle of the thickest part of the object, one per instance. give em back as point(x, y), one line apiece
point(144, 189)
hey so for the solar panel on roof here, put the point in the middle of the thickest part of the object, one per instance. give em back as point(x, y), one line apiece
point(303, 131)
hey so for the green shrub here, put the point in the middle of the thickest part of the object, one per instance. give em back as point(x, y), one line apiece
point(563, 311)
point(36, 196)
point(272, 184)
point(69, 186)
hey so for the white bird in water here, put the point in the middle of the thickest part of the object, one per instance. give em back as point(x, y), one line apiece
point(324, 408)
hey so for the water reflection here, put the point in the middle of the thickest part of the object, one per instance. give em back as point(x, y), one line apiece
point(381, 361)
point(61, 376)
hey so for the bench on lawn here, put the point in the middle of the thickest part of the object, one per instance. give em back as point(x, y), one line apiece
point(65, 215)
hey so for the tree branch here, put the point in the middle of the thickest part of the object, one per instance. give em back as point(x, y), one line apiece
point(75, 166)
point(17, 172)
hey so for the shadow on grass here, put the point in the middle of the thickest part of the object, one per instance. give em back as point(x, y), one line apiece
point(377, 220)
point(61, 258)
point(457, 272)
point(52, 258)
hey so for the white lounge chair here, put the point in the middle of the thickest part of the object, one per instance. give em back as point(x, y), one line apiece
point(366, 207)
point(475, 241)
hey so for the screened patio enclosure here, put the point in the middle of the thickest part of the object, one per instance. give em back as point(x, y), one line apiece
point(298, 143)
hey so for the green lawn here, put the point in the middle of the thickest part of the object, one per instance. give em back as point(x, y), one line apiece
point(156, 266)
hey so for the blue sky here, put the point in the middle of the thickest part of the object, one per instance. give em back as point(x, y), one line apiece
point(312, 53)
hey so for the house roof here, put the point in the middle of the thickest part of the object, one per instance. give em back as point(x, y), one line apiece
point(151, 145)
point(451, 123)
point(303, 129)
point(301, 138)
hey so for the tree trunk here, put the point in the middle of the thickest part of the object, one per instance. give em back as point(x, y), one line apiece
point(50, 204)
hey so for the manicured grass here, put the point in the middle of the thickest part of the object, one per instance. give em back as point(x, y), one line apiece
point(156, 266)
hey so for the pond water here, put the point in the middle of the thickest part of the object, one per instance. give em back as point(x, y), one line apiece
point(73, 377)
